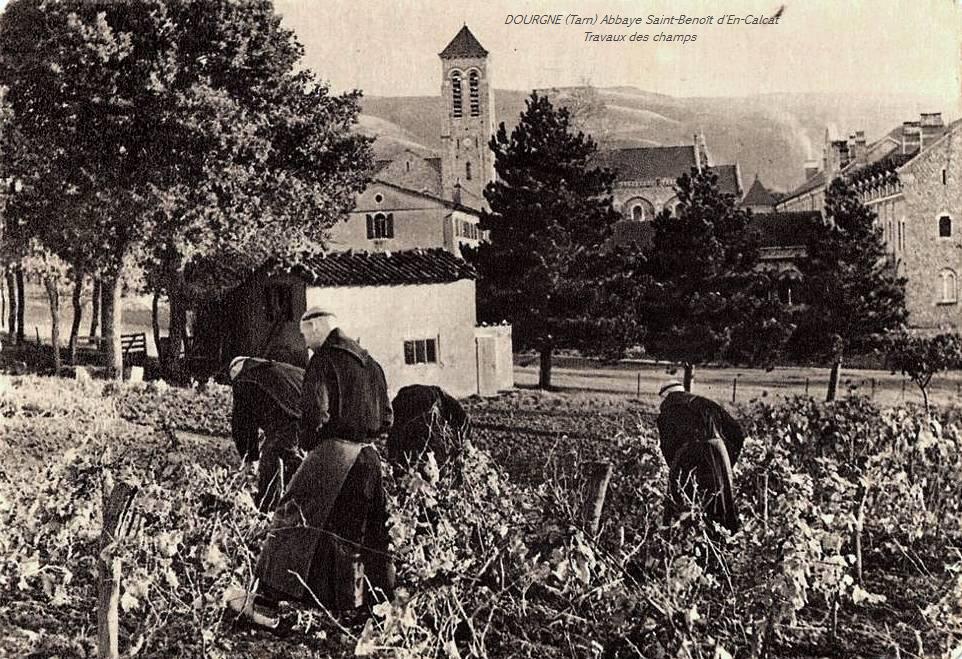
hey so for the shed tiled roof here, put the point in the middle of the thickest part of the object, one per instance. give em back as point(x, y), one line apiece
point(464, 44)
point(416, 266)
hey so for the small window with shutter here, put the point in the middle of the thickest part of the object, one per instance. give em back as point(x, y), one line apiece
point(380, 226)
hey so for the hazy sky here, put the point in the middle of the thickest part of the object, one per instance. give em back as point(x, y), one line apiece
point(390, 47)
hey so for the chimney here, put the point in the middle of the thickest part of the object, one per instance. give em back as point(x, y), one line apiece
point(931, 127)
point(836, 157)
point(702, 158)
point(857, 148)
point(911, 136)
point(811, 168)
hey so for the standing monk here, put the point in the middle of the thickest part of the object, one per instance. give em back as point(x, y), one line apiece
point(329, 535)
point(267, 396)
point(700, 442)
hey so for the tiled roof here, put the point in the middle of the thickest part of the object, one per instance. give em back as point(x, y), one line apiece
point(889, 163)
point(650, 162)
point(878, 152)
point(416, 266)
point(728, 182)
point(790, 229)
point(668, 163)
point(464, 44)
point(758, 195)
point(428, 195)
point(813, 182)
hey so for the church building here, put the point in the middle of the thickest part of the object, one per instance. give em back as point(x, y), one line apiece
point(422, 200)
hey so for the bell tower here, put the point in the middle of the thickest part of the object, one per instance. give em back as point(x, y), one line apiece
point(467, 164)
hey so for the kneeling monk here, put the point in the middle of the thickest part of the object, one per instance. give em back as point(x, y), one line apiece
point(267, 396)
point(427, 419)
point(700, 442)
point(328, 543)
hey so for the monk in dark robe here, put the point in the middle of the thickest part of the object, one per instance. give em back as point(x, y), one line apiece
point(700, 442)
point(427, 420)
point(328, 543)
point(267, 396)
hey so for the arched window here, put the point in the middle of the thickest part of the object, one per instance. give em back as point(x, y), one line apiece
point(467, 171)
point(945, 227)
point(640, 210)
point(456, 100)
point(475, 94)
point(950, 293)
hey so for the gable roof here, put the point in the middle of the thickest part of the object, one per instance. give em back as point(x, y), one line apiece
point(758, 195)
point(427, 195)
point(648, 162)
point(464, 44)
point(409, 267)
point(885, 151)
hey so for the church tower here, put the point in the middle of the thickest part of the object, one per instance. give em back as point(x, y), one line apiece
point(467, 164)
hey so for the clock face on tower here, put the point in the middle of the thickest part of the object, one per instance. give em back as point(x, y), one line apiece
point(467, 141)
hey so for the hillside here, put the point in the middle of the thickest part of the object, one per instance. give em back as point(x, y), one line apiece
point(771, 134)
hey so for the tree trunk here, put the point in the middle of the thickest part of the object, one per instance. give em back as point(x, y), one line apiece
point(155, 324)
point(13, 303)
point(925, 401)
point(21, 304)
point(53, 299)
point(95, 309)
point(112, 322)
point(833, 380)
point(78, 311)
point(689, 375)
point(103, 311)
point(544, 372)
point(178, 323)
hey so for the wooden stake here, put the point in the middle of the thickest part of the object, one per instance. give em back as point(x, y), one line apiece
point(638, 389)
point(599, 475)
point(765, 500)
point(734, 388)
point(116, 504)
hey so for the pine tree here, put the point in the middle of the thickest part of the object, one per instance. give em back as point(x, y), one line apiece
point(854, 294)
point(702, 293)
point(545, 268)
